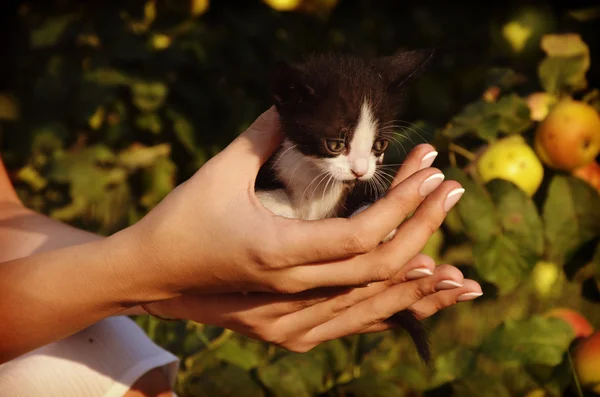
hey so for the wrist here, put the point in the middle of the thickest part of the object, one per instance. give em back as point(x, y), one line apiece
point(143, 279)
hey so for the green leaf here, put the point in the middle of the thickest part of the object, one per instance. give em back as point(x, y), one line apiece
point(480, 385)
point(536, 340)
point(158, 181)
point(148, 96)
point(559, 74)
point(519, 218)
point(499, 261)
point(571, 215)
point(50, 31)
point(107, 76)
point(475, 209)
point(510, 115)
point(372, 386)
point(514, 115)
point(452, 365)
point(505, 227)
point(246, 354)
point(298, 375)
point(184, 131)
point(228, 381)
point(141, 156)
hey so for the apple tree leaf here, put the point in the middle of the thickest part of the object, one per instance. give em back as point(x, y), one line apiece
point(301, 375)
point(475, 209)
point(226, 381)
point(571, 216)
point(535, 340)
point(480, 385)
point(509, 115)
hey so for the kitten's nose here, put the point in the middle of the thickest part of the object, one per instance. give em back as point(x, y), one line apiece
point(360, 168)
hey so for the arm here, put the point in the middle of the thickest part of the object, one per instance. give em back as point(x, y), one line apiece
point(211, 235)
point(24, 232)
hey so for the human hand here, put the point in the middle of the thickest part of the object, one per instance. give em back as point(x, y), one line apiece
point(211, 234)
point(299, 322)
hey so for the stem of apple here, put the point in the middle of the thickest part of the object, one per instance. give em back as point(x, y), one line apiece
point(462, 151)
point(577, 384)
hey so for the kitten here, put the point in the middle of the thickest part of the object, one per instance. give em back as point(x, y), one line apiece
point(338, 116)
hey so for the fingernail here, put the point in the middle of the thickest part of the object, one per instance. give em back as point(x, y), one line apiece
point(469, 296)
point(427, 160)
point(431, 183)
point(418, 273)
point(447, 284)
point(453, 198)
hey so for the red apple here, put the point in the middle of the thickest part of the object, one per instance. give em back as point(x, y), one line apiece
point(578, 322)
point(589, 173)
point(569, 137)
point(586, 360)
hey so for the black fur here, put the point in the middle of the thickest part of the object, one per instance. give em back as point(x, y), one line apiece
point(321, 99)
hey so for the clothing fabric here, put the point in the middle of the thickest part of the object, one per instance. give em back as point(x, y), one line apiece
point(104, 360)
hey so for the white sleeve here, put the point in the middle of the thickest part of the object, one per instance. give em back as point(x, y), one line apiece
point(104, 360)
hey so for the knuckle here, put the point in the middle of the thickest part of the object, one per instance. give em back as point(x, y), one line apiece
point(354, 244)
point(384, 272)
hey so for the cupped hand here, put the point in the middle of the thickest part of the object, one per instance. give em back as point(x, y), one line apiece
point(299, 322)
point(212, 235)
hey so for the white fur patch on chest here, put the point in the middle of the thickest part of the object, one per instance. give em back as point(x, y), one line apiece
point(312, 193)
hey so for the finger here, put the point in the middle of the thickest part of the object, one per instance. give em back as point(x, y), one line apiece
point(384, 305)
point(421, 157)
point(430, 305)
point(316, 313)
point(336, 238)
point(253, 147)
point(389, 258)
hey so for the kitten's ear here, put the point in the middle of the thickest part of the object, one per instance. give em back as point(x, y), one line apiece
point(404, 67)
point(288, 85)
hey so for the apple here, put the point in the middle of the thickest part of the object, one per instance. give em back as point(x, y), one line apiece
point(283, 5)
point(586, 360)
point(512, 159)
point(546, 276)
point(589, 173)
point(569, 137)
point(577, 321)
point(537, 393)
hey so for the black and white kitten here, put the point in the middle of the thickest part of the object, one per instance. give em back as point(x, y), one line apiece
point(338, 115)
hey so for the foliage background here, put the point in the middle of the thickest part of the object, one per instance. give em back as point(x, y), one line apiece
point(105, 107)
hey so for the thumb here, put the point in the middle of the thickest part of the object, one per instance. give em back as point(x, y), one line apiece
point(252, 148)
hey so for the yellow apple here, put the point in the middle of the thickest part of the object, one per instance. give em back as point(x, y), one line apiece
point(513, 160)
point(283, 5)
point(546, 277)
point(569, 137)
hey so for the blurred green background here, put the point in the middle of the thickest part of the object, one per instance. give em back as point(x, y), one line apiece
point(106, 106)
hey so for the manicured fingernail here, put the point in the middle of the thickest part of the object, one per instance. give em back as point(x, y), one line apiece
point(469, 296)
point(427, 160)
point(431, 183)
point(418, 273)
point(447, 284)
point(452, 198)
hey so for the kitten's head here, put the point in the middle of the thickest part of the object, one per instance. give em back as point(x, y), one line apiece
point(339, 111)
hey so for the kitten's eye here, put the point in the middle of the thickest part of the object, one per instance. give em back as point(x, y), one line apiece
point(335, 145)
point(380, 145)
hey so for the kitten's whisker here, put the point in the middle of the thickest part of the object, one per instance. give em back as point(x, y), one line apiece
point(311, 182)
point(281, 156)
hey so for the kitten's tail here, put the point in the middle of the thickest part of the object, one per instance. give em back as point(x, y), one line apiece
point(409, 321)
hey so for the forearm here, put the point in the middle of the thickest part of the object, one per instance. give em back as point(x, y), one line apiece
point(72, 280)
point(24, 232)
